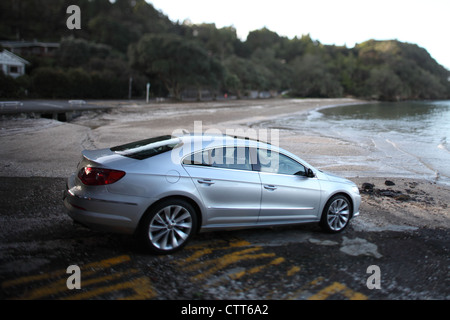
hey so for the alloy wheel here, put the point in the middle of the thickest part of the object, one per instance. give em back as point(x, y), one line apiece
point(338, 214)
point(170, 227)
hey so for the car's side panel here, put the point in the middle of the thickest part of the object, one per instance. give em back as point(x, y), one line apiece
point(231, 197)
point(289, 198)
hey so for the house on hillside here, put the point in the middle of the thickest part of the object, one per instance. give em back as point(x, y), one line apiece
point(31, 48)
point(11, 64)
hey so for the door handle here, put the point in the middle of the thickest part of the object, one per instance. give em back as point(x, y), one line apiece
point(270, 187)
point(205, 181)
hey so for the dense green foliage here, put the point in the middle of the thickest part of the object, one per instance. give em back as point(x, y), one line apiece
point(131, 39)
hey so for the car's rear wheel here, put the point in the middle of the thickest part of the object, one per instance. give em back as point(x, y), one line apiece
point(168, 226)
point(336, 214)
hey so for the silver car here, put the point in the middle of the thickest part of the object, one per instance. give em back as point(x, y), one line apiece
point(168, 188)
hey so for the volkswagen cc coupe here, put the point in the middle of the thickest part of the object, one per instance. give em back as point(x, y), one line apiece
point(168, 188)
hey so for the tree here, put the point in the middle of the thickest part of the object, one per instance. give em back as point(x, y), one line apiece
point(50, 83)
point(9, 87)
point(232, 84)
point(384, 84)
point(177, 62)
point(113, 32)
point(388, 63)
point(250, 75)
point(263, 38)
point(73, 52)
point(290, 49)
point(32, 19)
point(79, 84)
point(219, 42)
point(312, 79)
point(275, 70)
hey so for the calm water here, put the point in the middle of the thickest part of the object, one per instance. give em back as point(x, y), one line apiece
point(403, 139)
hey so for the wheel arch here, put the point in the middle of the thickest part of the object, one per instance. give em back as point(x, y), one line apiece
point(340, 193)
point(192, 202)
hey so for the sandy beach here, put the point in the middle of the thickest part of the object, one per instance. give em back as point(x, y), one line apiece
point(48, 148)
point(402, 227)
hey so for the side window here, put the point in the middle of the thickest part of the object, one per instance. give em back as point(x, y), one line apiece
point(237, 158)
point(274, 162)
point(201, 158)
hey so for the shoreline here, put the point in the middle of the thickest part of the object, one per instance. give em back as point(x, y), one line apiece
point(43, 147)
point(48, 148)
point(30, 146)
point(402, 227)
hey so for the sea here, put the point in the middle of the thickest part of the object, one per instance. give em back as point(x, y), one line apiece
point(400, 139)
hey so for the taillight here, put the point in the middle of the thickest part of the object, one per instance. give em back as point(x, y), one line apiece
point(98, 176)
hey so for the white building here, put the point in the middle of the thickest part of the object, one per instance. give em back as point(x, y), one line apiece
point(11, 64)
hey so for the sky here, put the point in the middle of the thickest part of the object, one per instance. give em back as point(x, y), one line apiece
point(339, 22)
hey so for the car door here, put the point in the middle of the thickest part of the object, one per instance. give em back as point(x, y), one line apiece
point(229, 188)
point(288, 195)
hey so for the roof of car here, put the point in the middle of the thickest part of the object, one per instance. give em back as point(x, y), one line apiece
point(205, 140)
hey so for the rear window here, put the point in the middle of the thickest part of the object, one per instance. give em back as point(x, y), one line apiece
point(147, 148)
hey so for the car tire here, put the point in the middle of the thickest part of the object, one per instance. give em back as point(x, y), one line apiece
point(336, 214)
point(168, 226)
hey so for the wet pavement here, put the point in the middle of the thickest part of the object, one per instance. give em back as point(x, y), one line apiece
point(39, 243)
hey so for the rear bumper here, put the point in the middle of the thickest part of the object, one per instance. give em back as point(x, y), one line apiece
point(97, 220)
point(120, 216)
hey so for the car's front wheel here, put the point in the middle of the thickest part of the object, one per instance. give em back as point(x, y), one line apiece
point(336, 214)
point(168, 226)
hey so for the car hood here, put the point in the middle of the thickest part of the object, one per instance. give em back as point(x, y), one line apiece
point(335, 178)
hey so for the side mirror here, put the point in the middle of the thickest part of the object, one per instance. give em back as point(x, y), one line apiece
point(310, 173)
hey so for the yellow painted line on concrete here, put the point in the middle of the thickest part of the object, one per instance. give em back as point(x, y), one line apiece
point(60, 286)
point(226, 260)
point(239, 243)
point(197, 255)
point(50, 289)
point(238, 274)
point(217, 244)
point(309, 286)
point(277, 261)
point(142, 287)
point(242, 273)
point(317, 281)
point(108, 262)
point(256, 269)
point(62, 273)
point(190, 263)
point(28, 279)
point(202, 245)
point(292, 271)
point(337, 288)
point(202, 251)
point(203, 264)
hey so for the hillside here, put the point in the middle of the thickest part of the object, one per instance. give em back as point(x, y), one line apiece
point(130, 39)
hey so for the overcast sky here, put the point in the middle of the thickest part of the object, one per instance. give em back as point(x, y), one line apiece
point(340, 22)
